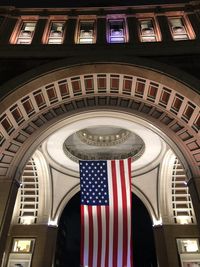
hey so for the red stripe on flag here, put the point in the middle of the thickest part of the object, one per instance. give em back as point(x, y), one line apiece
point(125, 221)
point(82, 235)
point(91, 232)
point(131, 240)
point(115, 207)
point(107, 236)
point(99, 222)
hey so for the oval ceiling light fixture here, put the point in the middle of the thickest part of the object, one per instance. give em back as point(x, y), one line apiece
point(65, 147)
point(103, 136)
point(103, 143)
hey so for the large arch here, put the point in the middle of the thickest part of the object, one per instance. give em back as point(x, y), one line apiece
point(170, 105)
point(37, 105)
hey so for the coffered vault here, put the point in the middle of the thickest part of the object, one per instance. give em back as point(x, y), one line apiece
point(170, 105)
point(41, 113)
point(153, 168)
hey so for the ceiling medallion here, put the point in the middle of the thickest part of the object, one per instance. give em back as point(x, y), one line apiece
point(103, 143)
point(109, 139)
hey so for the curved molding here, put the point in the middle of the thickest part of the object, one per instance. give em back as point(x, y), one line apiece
point(103, 140)
point(76, 155)
point(45, 187)
point(44, 192)
point(33, 107)
point(140, 68)
point(147, 204)
point(148, 65)
point(53, 146)
point(56, 217)
point(165, 187)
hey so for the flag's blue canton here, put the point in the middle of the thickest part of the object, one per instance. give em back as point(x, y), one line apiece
point(94, 183)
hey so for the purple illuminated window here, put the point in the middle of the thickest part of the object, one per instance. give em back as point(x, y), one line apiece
point(116, 31)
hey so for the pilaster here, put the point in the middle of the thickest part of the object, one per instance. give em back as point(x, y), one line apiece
point(8, 193)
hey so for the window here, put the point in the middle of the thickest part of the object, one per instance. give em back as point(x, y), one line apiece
point(147, 30)
point(116, 31)
point(188, 249)
point(56, 32)
point(86, 32)
point(26, 32)
point(186, 245)
point(22, 245)
point(179, 29)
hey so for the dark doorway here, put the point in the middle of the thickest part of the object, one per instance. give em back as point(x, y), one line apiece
point(68, 240)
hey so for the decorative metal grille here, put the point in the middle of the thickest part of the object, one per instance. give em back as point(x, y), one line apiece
point(183, 212)
point(29, 194)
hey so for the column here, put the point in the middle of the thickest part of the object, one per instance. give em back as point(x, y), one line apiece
point(6, 29)
point(70, 32)
point(133, 30)
point(166, 242)
point(194, 189)
point(39, 31)
point(195, 21)
point(8, 193)
point(101, 31)
point(161, 249)
point(44, 246)
point(164, 28)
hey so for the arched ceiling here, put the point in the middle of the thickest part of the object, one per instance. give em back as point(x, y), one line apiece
point(151, 145)
point(34, 110)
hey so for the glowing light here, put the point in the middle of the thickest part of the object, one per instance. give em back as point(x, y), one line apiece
point(191, 246)
point(188, 245)
point(27, 220)
point(53, 223)
point(157, 222)
point(22, 245)
point(183, 219)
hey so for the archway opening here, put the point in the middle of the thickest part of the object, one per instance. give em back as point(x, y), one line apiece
point(68, 238)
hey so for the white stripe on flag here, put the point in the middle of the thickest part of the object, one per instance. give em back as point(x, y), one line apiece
point(120, 215)
point(95, 236)
point(110, 188)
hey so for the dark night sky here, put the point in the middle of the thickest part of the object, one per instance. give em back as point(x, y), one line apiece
point(84, 3)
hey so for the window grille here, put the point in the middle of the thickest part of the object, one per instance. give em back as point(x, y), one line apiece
point(116, 31)
point(26, 32)
point(183, 212)
point(147, 30)
point(56, 32)
point(86, 32)
point(29, 194)
point(178, 29)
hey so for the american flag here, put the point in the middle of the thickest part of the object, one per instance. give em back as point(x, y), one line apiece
point(106, 213)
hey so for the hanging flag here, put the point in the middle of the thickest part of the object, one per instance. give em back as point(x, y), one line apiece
point(106, 213)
